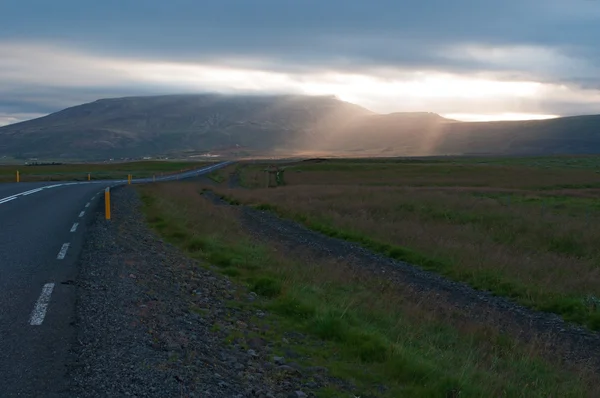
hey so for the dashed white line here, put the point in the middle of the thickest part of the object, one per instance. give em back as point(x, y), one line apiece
point(25, 193)
point(32, 191)
point(39, 311)
point(82, 214)
point(74, 227)
point(87, 204)
point(63, 251)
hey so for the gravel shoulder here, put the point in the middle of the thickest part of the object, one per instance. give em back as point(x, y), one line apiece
point(147, 318)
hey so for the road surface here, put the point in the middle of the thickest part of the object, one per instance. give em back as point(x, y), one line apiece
point(42, 227)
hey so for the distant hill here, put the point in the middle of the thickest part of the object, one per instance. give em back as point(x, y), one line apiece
point(389, 135)
point(180, 125)
point(175, 124)
point(566, 135)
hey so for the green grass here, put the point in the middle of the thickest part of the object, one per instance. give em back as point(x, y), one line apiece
point(97, 171)
point(267, 287)
point(577, 173)
point(216, 177)
point(572, 307)
point(545, 162)
point(367, 335)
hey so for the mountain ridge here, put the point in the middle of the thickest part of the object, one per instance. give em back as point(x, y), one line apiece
point(184, 124)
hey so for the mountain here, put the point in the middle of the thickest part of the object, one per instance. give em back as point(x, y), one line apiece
point(184, 125)
point(176, 124)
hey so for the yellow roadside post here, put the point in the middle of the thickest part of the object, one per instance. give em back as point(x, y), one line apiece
point(107, 203)
point(18, 176)
point(89, 177)
point(129, 179)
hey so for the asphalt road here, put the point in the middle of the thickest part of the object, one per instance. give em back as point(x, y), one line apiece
point(42, 228)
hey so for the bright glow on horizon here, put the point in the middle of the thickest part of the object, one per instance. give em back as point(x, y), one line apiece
point(347, 86)
point(469, 117)
point(19, 117)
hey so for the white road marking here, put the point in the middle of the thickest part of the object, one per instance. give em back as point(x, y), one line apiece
point(74, 227)
point(63, 251)
point(82, 214)
point(32, 191)
point(7, 199)
point(25, 193)
point(115, 182)
point(87, 204)
point(39, 311)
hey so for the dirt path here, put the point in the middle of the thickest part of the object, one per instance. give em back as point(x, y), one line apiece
point(574, 344)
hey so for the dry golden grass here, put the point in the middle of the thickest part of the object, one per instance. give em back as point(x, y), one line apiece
point(492, 229)
point(434, 174)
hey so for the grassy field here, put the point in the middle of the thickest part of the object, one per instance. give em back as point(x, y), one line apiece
point(363, 329)
point(430, 174)
point(508, 226)
point(97, 171)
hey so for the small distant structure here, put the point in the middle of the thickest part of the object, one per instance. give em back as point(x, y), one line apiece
point(206, 155)
point(36, 163)
point(274, 176)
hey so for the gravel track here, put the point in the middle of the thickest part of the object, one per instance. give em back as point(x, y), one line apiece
point(572, 343)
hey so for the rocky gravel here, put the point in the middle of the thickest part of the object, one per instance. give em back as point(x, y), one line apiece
point(571, 342)
point(153, 323)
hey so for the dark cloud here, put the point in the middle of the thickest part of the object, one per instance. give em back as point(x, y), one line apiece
point(383, 38)
point(342, 32)
point(49, 99)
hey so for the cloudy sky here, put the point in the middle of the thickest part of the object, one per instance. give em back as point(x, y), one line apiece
point(467, 59)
